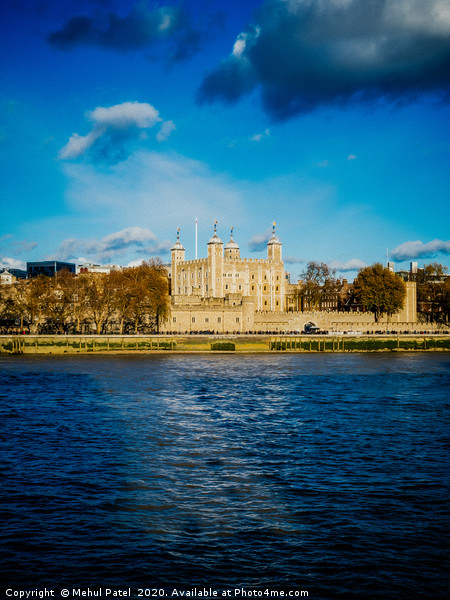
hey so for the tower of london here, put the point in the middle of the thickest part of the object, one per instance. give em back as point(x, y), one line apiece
point(225, 293)
point(223, 274)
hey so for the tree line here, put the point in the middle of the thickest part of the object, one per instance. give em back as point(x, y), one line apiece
point(378, 290)
point(136, 299)
point(130, 300)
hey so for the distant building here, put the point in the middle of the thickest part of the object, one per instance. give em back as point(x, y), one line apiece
point(93, 268)
point(48, 267)
point(8, 276)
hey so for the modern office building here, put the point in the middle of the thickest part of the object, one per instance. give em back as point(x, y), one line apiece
point(49, 268)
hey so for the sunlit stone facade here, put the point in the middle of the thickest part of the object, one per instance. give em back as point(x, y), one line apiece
point(224, 275)
point(224, 293)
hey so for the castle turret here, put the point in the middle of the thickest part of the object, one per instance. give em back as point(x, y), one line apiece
point(232, 248)
point(215, 265)
point(177, 253)
point(274, 246)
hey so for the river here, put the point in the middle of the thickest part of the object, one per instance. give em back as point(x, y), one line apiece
point(320, 473)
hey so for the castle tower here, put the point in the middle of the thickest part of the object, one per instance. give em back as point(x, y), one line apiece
point(215, 266)
point(177, 256)
point(232, 248)
point(274, 246)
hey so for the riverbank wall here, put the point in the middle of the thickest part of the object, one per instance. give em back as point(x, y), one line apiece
point(97, 344)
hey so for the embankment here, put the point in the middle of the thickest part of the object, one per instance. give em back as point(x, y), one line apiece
point(83, 344)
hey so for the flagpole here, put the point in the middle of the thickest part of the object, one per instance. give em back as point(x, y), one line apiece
point(196, 238)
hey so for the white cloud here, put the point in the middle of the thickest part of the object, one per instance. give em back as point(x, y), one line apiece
point(259, 136)
point(418, 249)
point(293, 260)
point(354, 264)
point(166, 129)
point(123, 116)
point(351, 157)
point(114, 127)
point(259, 241)
point(7, 262)
point(139, 239)
point(78, 145)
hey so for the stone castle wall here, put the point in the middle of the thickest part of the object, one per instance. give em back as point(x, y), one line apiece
point(226, 293)
point(237, 314)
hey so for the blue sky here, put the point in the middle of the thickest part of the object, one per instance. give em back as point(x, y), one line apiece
point(124, 120)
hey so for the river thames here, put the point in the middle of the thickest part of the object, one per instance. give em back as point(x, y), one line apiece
point(302, 472)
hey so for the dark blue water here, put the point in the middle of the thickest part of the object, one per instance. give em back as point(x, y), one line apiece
point(319, 473)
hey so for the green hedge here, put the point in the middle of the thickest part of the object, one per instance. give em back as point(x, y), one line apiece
point(223, 346)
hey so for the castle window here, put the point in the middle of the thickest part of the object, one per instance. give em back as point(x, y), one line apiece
point(206, 319)
point(277, 288)
point(226, 286)
point(219, 319)
point(174, 319)
point(179, 290)
point(237, 319)
point(265, 288)
point(265, 302)
point(253, 277)
point(253, 288)
point(193, 319)
point(240, 286)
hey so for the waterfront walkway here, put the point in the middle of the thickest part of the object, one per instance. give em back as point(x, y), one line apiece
point(82, 344)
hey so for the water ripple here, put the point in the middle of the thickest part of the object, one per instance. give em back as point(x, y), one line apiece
point(320, 473)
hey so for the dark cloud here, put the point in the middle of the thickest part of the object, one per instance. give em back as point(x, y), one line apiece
point(303, 54)
point(143, 26)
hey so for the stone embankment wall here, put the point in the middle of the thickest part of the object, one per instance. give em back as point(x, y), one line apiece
point(335, 321)
point(73, 344)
